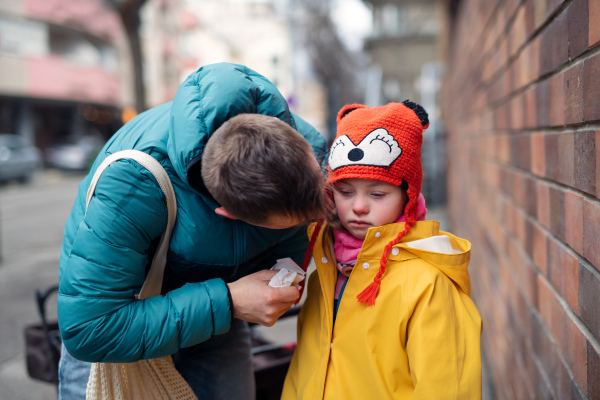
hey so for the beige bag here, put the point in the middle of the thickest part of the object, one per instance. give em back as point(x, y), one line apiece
point(146, 379)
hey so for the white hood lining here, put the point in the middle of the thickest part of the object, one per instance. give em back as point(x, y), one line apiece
point(438, 244)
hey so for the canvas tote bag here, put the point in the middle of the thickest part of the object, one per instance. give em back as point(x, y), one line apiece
point(146, 379)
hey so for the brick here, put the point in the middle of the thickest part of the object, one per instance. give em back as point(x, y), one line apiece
point(543, 103)
point(557, 100)
point(513, 78)
point(529, 18)
point(543, 204)
point(517, 112)
point(577, 20)
point(553, 163)
point(535, 58)
point(545, 302)
point(573, 87)
point(557, 213)
point(519, 189)
point(522, 75)
point(570, 278)
point(518, 31)
point(527, 276)
point(591, 88)
point(531, 108)
point(506, 182)
point(575, 352)
point(521, 151)
point(540, 249)
point(503, 148)
point(594, 26)
point(574, 221)
point(530, 195)
point(528, 244)
point(554, 43)
point(593, 372)
point(501, 118)
point(488, 41)
point(538, 154)
point(506, 84)
point(585, 161)
point(566, 155)
point(509, 213)
point(591, 232)
point(554, 274)
point(589, 298)
point(597, 142)
point(539, 13)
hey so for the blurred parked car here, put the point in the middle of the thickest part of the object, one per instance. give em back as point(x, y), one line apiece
point(19, 159)
point(74, 153)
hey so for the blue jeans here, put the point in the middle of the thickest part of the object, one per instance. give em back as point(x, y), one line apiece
point(220, 368)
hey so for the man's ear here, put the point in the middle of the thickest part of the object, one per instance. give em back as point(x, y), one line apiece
point(224, 213)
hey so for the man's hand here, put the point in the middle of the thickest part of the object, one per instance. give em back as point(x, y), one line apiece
point(255, 301)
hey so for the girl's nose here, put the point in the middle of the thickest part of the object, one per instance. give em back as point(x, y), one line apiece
point(360, 206)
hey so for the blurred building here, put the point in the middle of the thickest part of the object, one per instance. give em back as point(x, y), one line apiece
point(521, 105)
point(59, 69)
point(179, 36)
point(406, 54)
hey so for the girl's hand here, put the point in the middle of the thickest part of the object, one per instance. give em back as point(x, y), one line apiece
point(257, 302)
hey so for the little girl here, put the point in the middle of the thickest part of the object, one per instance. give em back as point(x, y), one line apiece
point(388, 313)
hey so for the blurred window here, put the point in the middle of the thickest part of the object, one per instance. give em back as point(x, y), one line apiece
point(82, 49)
point(393, 20)
point(23, 37)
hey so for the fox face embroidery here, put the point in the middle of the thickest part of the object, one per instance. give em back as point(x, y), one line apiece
point(379, 149)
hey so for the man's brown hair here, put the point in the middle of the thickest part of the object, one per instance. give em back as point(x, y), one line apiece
point(256, 166)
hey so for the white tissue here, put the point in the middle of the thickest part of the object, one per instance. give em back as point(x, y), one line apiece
point(289, 273)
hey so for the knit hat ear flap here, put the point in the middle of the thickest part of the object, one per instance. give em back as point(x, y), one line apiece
point(420, 111)
point(347, 109)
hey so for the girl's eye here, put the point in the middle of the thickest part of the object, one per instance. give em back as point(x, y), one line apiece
point(344, 192)
point(378, 195)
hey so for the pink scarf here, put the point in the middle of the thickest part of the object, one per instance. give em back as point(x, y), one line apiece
point(347, 247)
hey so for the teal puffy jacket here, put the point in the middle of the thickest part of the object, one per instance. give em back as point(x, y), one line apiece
point(105, 255)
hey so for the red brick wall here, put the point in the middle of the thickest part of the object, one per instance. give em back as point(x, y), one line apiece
point(521, 104)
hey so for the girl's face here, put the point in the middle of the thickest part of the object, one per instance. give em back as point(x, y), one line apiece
point(364, 203)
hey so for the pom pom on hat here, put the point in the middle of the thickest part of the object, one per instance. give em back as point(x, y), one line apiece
point(384, 144)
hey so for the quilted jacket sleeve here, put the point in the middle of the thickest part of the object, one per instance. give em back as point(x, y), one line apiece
point(98, 316)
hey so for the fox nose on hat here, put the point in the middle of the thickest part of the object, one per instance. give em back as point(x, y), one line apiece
point(356, 154)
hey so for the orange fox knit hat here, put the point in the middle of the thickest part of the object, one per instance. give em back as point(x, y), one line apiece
point(384, 144)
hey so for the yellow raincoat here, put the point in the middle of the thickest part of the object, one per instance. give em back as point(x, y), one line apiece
point(421, 339)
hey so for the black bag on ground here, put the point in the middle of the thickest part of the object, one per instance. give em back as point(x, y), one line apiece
point(42, 343)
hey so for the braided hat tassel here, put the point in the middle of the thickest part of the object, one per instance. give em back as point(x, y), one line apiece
point(369, 295)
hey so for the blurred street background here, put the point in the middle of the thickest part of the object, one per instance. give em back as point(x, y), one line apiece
point(511, 158)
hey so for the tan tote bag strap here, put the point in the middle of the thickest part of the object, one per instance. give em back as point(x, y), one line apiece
point(152, 285)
